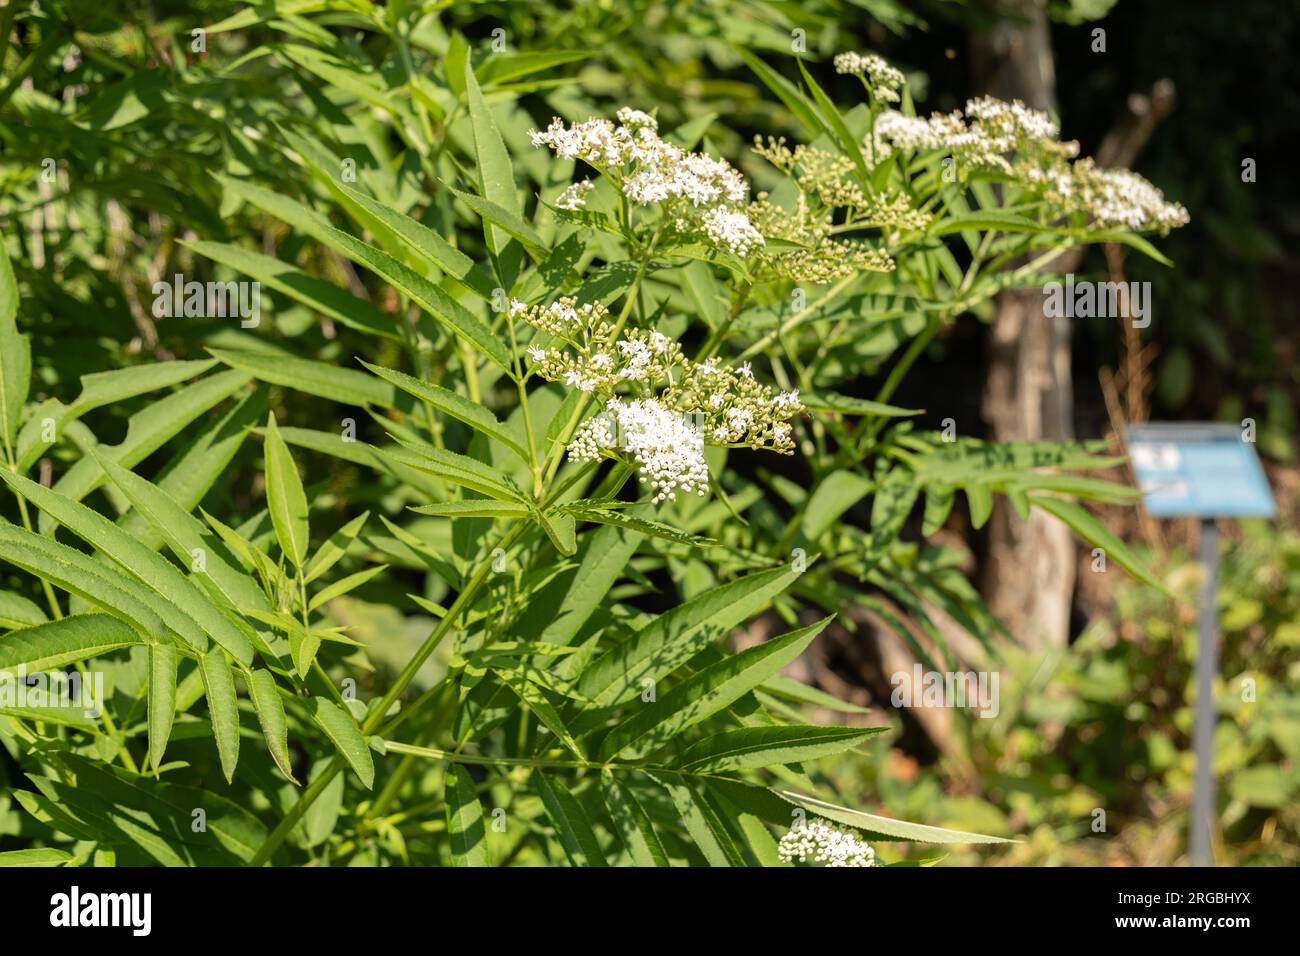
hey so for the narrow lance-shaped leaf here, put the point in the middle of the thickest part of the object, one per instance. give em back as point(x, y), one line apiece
point(181, 605)
point(56, 644)
point(147, 431)
point(79, 574)
point(223, 708)
point(751, 747)
point(571, 823)
point(15, 357)
point(634, 824)
point(343, 733)
point(465, 826)
point(270, 714)
point(703, 824)
point(163, 661)
point(285, 497)
point(705, 693)
point(495, 173)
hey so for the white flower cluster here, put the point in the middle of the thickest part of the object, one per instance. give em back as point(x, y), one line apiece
point(678, 404)
point(884, 80)
point(668, 447)
point(1120, 199)
point(825, 843)
point(574, 196)
point(1023, 144)
point(701, 197)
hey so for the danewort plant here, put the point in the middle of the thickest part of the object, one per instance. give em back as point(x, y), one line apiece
point(583, 409)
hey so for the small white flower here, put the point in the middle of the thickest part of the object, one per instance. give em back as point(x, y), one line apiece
point(825, 843)
point(574, 196)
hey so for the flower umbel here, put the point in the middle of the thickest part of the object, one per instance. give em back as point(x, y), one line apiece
point(701, 198)
point(816, 841)
point(676, 407)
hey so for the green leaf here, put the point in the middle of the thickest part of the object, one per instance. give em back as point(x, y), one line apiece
point(787, 92)
point(181, 605)
point(285, 497)
point(223, 708)
point(333, 550)
point(705, 693)
point(848, 142)
point(747, 748)
point(474, 508)
point(791, 689)
point(343, 586)
point(465, 826)
point(536, 701)
point(678, 635)
point(703, 824)
point(270, 714)
point(1082, 523)
point(886, 828)
point(457, 406)
point(509, 222)
point(633, 823)
point(986, 221)
point(186, 535)
point(318, 295)
point(147, 431)
point(343, 732)
point(496, 177)
point(835, 494)
point(344, 385)
point(15, 358)
point(503, 67)
point(456, 468)
point(980, 497)
point(844, 405)
point(53, 645)
point(79, 574)
point(571, 823)
point(622, 519)
point(939, 500)
point(564, 605)
point(451, 314)
point(17, 611)
point(163, 661)
point(36, 857)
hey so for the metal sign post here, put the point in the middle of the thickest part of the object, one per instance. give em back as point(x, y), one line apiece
point(1206, 471)
point(1207, 665)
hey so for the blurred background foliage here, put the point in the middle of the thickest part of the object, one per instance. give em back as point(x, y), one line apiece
point(1101, 724)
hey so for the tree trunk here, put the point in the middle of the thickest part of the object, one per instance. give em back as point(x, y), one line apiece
point(1029, 575)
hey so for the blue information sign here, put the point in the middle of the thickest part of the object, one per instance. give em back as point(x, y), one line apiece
point(1198, 470)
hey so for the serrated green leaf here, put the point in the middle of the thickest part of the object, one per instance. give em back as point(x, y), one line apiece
point(465, 828)
point(705, 693)
point(178, 602)
point(163, 661)
point(55, 644)
point(285, 497)
point(678, 635)
point(633, 823)
point(223, 707)
point(457, 406)
point(270, 714)
point(343, 732)
point(571, 823)
point(746, 748)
